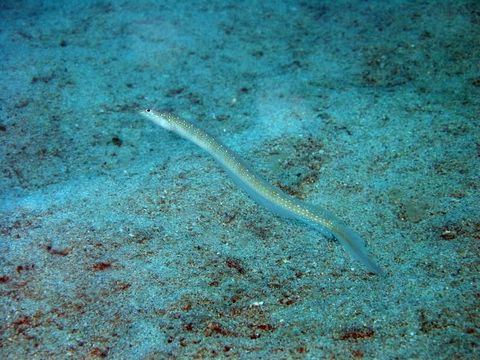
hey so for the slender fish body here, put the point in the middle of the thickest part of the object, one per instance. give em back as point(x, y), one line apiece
point(262, 192)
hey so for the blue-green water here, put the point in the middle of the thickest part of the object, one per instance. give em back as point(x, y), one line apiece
point(120, 240)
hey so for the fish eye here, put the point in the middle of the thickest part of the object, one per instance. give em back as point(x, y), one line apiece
point(147, 110)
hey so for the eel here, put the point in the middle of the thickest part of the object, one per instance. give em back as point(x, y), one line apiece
point(262, 192)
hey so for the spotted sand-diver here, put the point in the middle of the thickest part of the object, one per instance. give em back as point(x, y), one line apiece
point(262, 192)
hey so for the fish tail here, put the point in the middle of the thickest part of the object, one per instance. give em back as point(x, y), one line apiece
point(354, 245)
